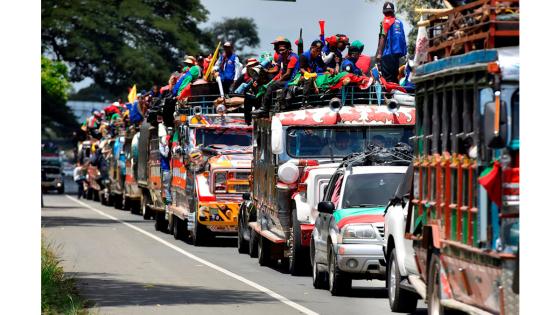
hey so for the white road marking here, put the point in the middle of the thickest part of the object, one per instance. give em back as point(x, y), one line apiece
point(248, 282)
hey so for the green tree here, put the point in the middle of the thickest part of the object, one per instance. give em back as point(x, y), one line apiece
point(57, 119)
point(120, 43)
point(241, 32)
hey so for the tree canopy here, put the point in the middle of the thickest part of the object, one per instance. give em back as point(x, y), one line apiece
point(241, 32)
point(119, 43)
point(56, 118)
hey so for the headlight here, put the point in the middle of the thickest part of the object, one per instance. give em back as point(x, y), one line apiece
point(358, 231)
point(288, 173)
point(220, 179)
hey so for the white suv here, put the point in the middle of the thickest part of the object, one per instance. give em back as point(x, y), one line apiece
point(347, 241)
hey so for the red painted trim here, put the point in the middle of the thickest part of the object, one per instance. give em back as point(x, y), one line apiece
point(365, 218)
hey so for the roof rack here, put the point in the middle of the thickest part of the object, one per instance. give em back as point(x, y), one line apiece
point(348, 95)
point(399, 155)
point(482, 24)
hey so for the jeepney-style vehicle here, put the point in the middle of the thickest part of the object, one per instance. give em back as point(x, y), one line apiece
point(294, 156)
point(85, 154)
point(461, 232)
point(117, 172)
point(211, 164)
point(131, 193)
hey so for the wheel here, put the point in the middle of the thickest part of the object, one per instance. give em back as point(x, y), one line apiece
point(339, 283)
point(109, 202)
point(433, 295)
point(102, 198)
point(299, 256)
point(161, 222)
point(253, 244)
point(175, 225)
point(89, 194)
point(319, 277)
point(95, 195)
point(146, 213)
point(199, 233)
point(400, 300)
point(134, 206)
point(60, 190)
point(242, 244)
point(264, 251)
point(117, 202)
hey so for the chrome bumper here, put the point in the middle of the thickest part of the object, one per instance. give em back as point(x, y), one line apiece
point(361, 258)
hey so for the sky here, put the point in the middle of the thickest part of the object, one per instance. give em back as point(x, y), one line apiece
point(358, 19)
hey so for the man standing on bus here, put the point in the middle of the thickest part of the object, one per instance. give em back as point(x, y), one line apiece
point(392, 43)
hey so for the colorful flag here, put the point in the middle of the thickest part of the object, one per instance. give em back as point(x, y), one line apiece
point(491, 180)
point(132, 94)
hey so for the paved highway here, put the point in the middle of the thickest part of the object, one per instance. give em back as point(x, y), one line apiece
point(125, 267)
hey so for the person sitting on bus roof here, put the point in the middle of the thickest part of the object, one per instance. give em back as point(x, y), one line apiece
point(311, 66)
point(364, 61)
point(349, 63)
point(193, 73)
point(392, 43)
point(288, 65)
point(332, 52)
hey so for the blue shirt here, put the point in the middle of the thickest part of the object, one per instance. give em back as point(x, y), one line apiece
point(309, 64)
point(349, 65)
point(134, 112)
point(395, 43)
point(332, 63)
point(227, 67)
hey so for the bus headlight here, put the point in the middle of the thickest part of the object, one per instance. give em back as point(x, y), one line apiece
point(288, 173)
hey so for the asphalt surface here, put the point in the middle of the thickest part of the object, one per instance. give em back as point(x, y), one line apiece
point(123, 266)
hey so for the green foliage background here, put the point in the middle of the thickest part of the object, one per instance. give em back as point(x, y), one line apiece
point(56, 118)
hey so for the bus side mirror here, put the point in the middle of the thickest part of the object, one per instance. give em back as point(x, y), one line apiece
point(495, 128)
point(277, 136)
point(325, 207)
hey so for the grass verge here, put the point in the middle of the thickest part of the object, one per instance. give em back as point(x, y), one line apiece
point(58, 292)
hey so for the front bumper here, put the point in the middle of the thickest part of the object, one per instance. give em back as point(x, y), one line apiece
point(54, 184)
point(219, 216)
point(366, 259)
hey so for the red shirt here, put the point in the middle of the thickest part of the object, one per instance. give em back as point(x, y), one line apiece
point(363, 63)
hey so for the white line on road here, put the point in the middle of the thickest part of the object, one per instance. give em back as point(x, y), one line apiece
point(255, 285)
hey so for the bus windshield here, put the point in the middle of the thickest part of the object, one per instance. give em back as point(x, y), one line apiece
point(225, 136)
point(324, 142)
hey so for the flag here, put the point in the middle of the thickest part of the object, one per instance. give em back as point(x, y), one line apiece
point(132, 94)
point(491, 181)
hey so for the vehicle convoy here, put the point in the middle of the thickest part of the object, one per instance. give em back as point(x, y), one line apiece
point(211, 164)
point(294, 156)
point(347, 241)
point(54, 179)
point(452, 229)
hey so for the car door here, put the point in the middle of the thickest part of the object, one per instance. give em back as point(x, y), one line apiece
point(323, 220)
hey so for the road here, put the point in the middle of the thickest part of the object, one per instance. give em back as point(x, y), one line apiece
point(124, 266)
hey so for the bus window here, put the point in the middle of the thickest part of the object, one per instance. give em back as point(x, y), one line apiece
point(515, 120)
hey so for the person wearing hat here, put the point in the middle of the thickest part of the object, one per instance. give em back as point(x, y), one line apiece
point(364, 61)
point(392, 43)
point(349, 63)
point(288, 65)
point(243, 83)
point(193, 73)
point(229, 67)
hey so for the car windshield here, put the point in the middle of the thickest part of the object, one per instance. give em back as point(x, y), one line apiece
point(370, 190)
point(206, 137)
point(340, 142)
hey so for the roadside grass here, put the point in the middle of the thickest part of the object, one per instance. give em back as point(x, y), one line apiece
point(58, 292)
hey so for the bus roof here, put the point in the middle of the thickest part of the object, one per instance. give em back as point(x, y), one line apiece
point(508, 58)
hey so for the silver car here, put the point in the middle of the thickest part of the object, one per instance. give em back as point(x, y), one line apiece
point(347, 241)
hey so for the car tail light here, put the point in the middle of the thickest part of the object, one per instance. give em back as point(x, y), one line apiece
point(308, 163)
point(302, 187)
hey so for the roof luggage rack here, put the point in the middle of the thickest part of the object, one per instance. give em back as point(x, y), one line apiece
point(482, 24)
point(399, 155)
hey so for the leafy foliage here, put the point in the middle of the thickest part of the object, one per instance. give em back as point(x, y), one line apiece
point(55, 87)
point(58, 293)
point(241, 32)
point(119, 43)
